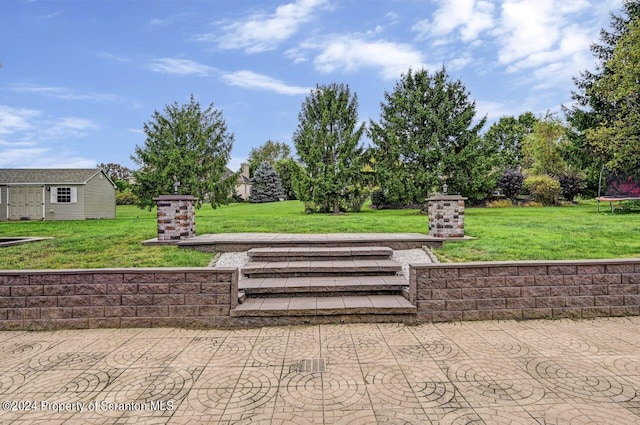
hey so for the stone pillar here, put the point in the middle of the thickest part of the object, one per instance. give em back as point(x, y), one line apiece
point(446, 216)
point(176, 217)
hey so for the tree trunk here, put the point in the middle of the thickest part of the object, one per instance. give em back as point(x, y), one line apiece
point(336, 207)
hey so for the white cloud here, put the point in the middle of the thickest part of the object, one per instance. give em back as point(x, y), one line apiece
point(15, 119)
point(539, 39)
point(51, 15)
point(543, 43)
point(252, 80)
point(166, 21)
point(27, 136)
point(468, 17)
point(68, 127)
point(112, 57)
point(43, 158)
point(262, 32)
point(22, 158)
point(352, 52)
point(64, 93)
point(392, 17)
point(181, 67)
point(493, 110)
point(533, 33)
point(459, 63)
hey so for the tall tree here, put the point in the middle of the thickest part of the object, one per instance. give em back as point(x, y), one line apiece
point(508, 134)
point(116, 171)
point(328, 143)
point(188, 148)
point(428, 135)
point(119, 174)
point(542, 148)
point(268, 152)
point(617, 135)
point(289, 171)
point(590, 109)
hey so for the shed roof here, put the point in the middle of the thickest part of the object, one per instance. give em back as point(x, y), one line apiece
point(47, 175)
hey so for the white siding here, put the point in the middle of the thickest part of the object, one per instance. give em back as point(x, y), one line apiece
point(65, 211)
point(99, 198)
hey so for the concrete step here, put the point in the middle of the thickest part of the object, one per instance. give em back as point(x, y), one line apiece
point(323, 286)
point(273, 269)
point(319, 253)
point(230, 242)
point(324, 306)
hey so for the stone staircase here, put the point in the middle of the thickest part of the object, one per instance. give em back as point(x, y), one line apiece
point(322, 281)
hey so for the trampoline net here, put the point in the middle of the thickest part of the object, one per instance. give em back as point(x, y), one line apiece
point(623, 185)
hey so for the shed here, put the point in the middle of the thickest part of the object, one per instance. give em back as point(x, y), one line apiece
point(56, 194)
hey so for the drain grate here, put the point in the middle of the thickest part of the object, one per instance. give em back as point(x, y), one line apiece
point(312, 365)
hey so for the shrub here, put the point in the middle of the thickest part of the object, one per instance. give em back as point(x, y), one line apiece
point(126, 197)
point(543, 189)
point(500, 203)
point(571, 184)
point(311, 207)
point(533, 204)
point(510, 183)
point(378, 199)
point(355, 198)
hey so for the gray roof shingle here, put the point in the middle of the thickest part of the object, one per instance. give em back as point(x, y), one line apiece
point(46, 176)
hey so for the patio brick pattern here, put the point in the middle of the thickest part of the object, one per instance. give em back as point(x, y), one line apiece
point(498, 372)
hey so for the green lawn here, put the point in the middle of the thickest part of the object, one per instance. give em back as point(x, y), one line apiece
point(502, 234)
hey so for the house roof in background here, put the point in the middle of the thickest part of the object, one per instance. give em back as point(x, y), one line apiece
point(47, 175)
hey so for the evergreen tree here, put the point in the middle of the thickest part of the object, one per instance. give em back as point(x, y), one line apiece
point(591, 109)
point(542, 148)
point(617, 136)
point(508, 134)
point(289, 171)
point(270, 152)
point(265, 185)
point(328, 143)
point(188, 148)
point(426, 137)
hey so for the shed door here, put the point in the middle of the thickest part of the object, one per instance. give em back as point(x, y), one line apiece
point(26, 203)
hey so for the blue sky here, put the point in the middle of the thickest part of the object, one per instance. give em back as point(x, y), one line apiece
point(80, 78)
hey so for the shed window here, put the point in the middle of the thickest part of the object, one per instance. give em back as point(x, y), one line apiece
point(64, 195)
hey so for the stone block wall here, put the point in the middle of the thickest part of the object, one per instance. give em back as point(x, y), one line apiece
point(176, 217)
point(446, 216)
point(526, 290)
point(114, 298)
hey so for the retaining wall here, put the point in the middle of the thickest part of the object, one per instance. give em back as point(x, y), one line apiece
point(526, 290)
point(203, 297)
point(113, 298)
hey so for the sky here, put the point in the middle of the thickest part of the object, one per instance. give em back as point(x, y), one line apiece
point(80, 78)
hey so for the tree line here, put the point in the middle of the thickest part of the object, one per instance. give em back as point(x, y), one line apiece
point(428, 135)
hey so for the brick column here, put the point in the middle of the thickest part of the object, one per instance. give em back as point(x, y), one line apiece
point(446, 216)
point(176, 217)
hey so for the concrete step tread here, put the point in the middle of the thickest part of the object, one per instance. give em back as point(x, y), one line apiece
point(320, 266)
point(322, 284)
point(320, 251)
point(323, 306)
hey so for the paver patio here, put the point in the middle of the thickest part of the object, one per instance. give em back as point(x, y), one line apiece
point(501, 372)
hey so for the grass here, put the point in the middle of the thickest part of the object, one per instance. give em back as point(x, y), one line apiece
point(573, 232)
point(551, 233)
